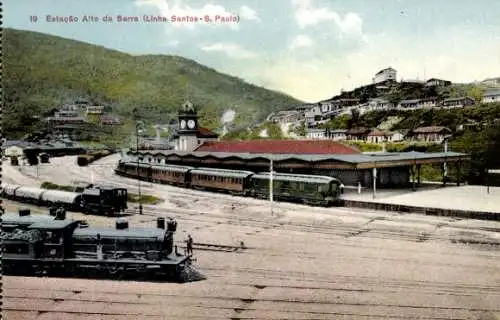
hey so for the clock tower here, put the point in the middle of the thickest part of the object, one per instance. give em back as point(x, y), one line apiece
point(188, 129)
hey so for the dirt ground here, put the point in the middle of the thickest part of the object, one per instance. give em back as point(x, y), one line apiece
point(300, 262)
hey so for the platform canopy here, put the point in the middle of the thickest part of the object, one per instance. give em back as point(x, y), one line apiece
point(326, 161)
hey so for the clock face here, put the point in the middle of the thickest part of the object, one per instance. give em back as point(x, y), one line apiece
point(183, 124)
point(191, 124)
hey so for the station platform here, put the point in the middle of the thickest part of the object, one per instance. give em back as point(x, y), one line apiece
point(434, 199)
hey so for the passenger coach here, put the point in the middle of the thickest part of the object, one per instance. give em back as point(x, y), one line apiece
point(176, 175)
point(232, 181)
point(309, 189)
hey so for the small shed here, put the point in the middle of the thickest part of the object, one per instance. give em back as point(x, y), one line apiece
point(14, 151)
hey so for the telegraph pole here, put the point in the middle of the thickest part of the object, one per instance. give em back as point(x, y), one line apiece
point(445, 169)
point(137, 152)
point(271, 186)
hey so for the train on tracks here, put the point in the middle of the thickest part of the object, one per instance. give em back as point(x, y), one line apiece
point(307, 189)
point(45, 245)
point(94, 199)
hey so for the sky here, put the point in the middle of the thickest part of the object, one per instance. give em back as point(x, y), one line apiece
point(309, 49)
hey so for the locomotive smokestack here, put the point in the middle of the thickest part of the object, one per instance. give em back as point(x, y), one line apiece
point(53, 211)
point(160, 223)
point(24, 212)
point(171, 225)
point(121, 224)
point(60, 214)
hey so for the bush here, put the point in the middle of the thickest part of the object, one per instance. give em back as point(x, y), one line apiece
point(82, 161)
point(145, 198)
point(53, 186)
point(365, 146)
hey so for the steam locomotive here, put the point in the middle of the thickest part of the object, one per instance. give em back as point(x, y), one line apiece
point(53, 245)
point(93, 199)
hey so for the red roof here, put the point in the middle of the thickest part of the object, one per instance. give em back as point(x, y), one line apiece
point(279, 146)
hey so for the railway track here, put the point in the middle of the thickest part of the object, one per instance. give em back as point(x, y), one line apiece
point(258, 302)
point(350, 264)
point(338, 229)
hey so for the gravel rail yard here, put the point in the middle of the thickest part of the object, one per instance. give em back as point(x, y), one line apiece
point(296, 262)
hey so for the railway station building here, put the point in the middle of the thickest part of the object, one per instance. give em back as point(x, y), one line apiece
point(319, 157)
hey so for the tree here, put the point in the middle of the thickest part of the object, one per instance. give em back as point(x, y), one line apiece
point(339, 122)
point(354, 120)
point(476, 93)
point(482, 146)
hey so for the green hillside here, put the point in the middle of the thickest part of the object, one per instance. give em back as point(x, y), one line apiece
point(44, 71)
point(273, 132)
point(398, 91)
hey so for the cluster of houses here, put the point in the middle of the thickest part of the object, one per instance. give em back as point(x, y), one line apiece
point(69, 119)
point(81, 113)
point(315, 114)
point(433, 134)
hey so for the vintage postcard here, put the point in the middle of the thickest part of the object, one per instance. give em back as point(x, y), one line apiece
point(229, 159)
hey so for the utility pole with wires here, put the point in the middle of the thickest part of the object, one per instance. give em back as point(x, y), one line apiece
point(137, 124)
point(271, 186)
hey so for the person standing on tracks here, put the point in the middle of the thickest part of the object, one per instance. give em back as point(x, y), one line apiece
point(189, 247)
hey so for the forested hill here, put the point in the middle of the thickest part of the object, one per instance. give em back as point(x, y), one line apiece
point(44, 71)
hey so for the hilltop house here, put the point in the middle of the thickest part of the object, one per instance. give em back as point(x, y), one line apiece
point(388, 74)
point(64, 112)
point(313, 133)
point(303, 108)
point(435, 134)
point(336, 105)
point(336, 134)
point(379, 104)
point(378, 136)
point(491, 96)
point(95, 110)
point(430, 102)
point(59, 120)
point(408, 104)
point(314, 114)
point(437, 83)
point(458, 102)
point(286, 116)
point(491, 81)
point(397, 136)
point(357, 134)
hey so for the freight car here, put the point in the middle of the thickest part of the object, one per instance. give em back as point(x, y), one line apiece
point(54, 245)
point(308, 189)
point(93, 199)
